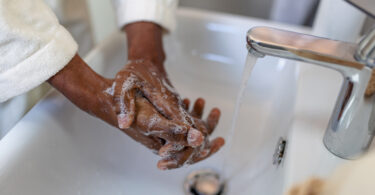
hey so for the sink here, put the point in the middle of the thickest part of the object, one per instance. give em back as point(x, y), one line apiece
point(317, 90)
point(58, 149)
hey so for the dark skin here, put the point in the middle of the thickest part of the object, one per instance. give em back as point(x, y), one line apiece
point(141, 101)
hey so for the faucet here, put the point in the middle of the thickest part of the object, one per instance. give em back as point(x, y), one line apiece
point(351, 127)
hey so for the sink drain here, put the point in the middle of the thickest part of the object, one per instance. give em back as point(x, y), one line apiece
point(204, 182)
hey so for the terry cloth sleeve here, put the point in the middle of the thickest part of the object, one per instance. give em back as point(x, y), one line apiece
point(33, 46)
point(161, 12)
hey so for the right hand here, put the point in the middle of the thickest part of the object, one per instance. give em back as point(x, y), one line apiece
point(174, 158)
point(168, 138)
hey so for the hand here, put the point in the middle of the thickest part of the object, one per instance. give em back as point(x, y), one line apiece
point(175, 157)
point(155, 131)
point(92, 93)
point(146, 55)
point(145, 77)
point(142, 77)
point(145, 72)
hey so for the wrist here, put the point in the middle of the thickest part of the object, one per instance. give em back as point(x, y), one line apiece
point(77, 74)
point(145, 42)
point(84, 87)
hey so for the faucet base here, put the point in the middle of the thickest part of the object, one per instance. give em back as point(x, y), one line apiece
point(341, 151)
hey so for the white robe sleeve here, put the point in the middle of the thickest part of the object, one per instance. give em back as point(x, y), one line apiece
point(33, 46)
point(161, 12)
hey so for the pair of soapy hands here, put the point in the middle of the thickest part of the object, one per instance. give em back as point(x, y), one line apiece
point(142, 102)
point(151, 112)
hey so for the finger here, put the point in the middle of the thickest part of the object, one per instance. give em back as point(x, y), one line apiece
point(150, 142)
point(155, 123)
point(152, 123)
point(214, 146)
point(178, 139)
point(201, 125)
point(157, 126)
point(172, 148)
point(176, 160)
point(169, 149)
point(125, 109)
point(164, 101)
point(213, 120)
point(198, 108)
point(170, 106)
point(195, 137)
point(149, 120)
point(186, 104)
point(124, 98)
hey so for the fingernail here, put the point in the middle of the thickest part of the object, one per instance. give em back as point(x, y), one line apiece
point(204, 153)
point(122, 121)
point(164, 151)
point(195, 138)
point(162, 167)
point(166, 164)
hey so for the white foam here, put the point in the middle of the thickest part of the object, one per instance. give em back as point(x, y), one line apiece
point(184, 115)
point(153, 120)
point(126, 86)
point(153, 132)
point(168, 86)
point(178, 129)
point(178, 147)
point(111, 90)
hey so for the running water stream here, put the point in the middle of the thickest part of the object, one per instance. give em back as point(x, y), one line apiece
point(250, 62)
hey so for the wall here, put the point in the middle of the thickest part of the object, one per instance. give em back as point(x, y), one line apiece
point(103, 17)
point(253, 8)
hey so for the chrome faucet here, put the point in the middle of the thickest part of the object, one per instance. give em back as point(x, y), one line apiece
point(352, 125)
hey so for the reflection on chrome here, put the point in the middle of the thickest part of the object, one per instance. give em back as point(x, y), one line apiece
point(350, 129)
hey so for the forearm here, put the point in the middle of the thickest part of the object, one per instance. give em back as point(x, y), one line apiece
point(145, 42)
point(83, 87)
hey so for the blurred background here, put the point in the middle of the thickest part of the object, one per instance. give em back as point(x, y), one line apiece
point(296, 12)
point(300, 12)
point(289, 11)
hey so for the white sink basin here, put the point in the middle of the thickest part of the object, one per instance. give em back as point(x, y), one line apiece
point(58, 149)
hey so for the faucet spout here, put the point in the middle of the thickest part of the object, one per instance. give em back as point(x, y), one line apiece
point(352, 124)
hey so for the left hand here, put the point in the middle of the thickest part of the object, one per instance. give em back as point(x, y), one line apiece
point(145, 77)
point(145, 72)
